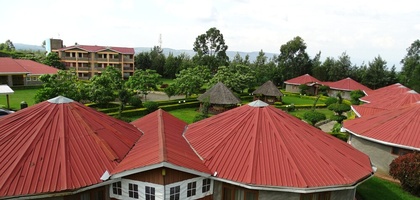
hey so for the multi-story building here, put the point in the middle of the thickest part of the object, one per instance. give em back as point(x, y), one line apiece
point(89, 60)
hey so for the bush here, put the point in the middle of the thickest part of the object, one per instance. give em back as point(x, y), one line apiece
point(165, 85)
point(313, 117)
point(330, 100)
point(355, 95)
point(290, 108)
point(323, 89)
point(199, 117)
point(303, 88)
point(151, 106)
point(406, 168)
point(339, 108)
point(135, 101)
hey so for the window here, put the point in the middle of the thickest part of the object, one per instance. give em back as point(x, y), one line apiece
point(191, 189)
point(116, 188)
point(316, 196)
point(150, 193)
point(206, 185)
point(28, 78)
point(174, 193)
point(133, 190)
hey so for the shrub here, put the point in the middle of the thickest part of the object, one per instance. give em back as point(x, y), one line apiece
point(323, 89)
point(313, 117)
point(199, 117)
point(406, 168)
point(330, 100)
point(290, 108)
point(303, 88)
point(355, 95)
point(135, 101)
point(151, 106)
point(339, 108)
point(165, 85)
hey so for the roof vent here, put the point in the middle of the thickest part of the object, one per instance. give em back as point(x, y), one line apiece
point(60, 99)
point(258, 103)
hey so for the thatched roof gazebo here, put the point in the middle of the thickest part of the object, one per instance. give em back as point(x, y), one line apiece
point(268, 92)
point(220, 98)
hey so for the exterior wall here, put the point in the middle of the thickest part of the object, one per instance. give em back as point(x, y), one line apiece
point(380, 155)
point(217, 190)
point(155, 176)
point(292, 88)
point(344, 94)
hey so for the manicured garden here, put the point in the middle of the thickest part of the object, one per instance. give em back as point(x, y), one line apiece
point(17, 97)
point(377, 188)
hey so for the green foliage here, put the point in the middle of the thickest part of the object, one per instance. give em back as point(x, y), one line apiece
point(53, 60)
point(151, 106)
point(339, 108)
point(303, 89)
point(7, 46)
point(144, 81)
point(323, 89)
point(199, 117)
point(338, 118)
point(211, 50)
point(293, 59)
point(64, 83)
point(377, 188)
point(189, 81)
point(237, 78)
point(406, 169)
point(337, 128)
point(410, 72)
point(375, 75)
point(290, 108)
point(105, 88)
point(135, 101)
point(331, 100)
point(314, 117)
point(170, 90)
point(355, 96)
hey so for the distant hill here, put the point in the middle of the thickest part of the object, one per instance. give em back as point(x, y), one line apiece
point(166, 51)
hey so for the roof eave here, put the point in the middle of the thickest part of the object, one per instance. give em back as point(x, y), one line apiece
point(296, 189)
point(381, 142)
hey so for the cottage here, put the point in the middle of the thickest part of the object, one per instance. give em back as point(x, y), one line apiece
point(220, 98)
point(293, 84)
point(268, 92)
point(345, 87)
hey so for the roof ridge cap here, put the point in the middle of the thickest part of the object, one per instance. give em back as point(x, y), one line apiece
point(161, 136)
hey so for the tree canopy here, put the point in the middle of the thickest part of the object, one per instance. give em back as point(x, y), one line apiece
point(144, 81)
point(293, 59)
point(211, 49)
point(410, 72)
point(189, 81)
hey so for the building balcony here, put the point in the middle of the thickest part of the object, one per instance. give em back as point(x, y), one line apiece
point(99, 69)
point(71, 68)
point(83, 59)
point(128, 68)
point(68, 58)
point(128, 59)
point(83, 69)
point(114, 60)
point(102, 59)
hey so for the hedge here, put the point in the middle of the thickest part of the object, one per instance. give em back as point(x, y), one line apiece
point(131, 113)
point(171, 107)
point(303, 106)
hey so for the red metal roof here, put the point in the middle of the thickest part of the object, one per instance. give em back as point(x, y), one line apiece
point(393, 100)
point(385, 92)
point(349, 85)
point(59, 145)
point(94, 48)
point(266, 146)
point(162, 141)
point(399, 126)
point(20, 66)
point(304, 79)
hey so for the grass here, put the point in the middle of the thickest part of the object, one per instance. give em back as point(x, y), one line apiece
point(297, 100)
point(377, 188)
point(187, 114)
point(299, 113)
point(16, 98)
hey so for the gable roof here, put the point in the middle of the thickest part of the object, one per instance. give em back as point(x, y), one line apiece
point(385, 92)
point(219, 94)
point(95, 48)
point(260, 145)
point(398, 127)
point(268, 89)
point(59, 145)
point(393, 100)
point(162, 143)
point(349, 84)
point(20, 66)
point(304, 79)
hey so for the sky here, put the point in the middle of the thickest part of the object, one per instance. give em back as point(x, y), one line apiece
point(360, 28)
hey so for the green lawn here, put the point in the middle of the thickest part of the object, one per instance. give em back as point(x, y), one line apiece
point(376, 188)
point(16, 98)
point(299, 113)
point(186, 114)
point(298, 100)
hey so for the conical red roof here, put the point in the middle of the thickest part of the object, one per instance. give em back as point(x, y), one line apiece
point(304, 79)
point(162, 143)
point(59, 145)
point(399, 126)
point(264, 146)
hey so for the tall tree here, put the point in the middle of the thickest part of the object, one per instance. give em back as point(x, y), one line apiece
point(293, 59)
point(340, 68)
point(104, 88)
point(172, 66)
point(236, 78)
point(7, 46)
point(189, 81)
point(376, 74)
point(410, 72)
point(158, 60)
point(52, 59)
point(143, 60)
point(144, 81)
point(211, 49)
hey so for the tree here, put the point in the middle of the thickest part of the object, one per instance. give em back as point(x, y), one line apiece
point(303, 89)
point(7, 46)
point(144, 81)
point(105, 88)
point(143, 60)
point(293, 59)
point(211, 49)
point(64, 83)
point(340, 68)
point(189, 81)
point(172, 66)
point(406, 168)
point(52, 59)
point(410, 71)
point(376, 74)
point(236, 78)
point(339, 108)
point(314, 117)
point(158, 60)
point(355, 96)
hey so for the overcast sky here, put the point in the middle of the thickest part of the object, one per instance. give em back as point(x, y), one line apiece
point(363, 29)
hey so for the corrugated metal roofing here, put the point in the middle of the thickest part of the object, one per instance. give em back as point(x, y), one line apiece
point(94, 48)
point(51, 147)
point(393, 100)
point(304, 79)
point(268, 147)
point(20, 66)
point(399, 126)
point(162, 142)
point(349, 85)
point(385, 92)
